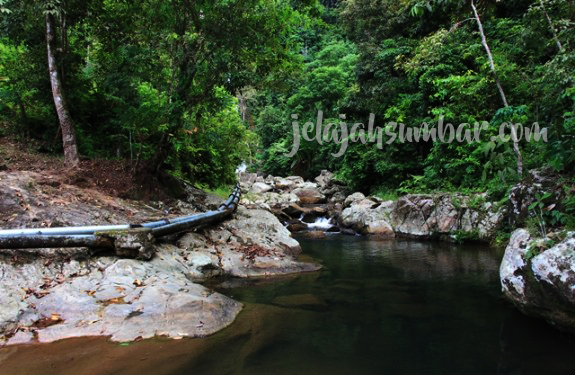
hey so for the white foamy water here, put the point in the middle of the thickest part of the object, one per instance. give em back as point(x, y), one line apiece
point(241, 168)
point(321, 223)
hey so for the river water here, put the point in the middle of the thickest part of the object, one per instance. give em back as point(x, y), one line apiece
point(376, 307)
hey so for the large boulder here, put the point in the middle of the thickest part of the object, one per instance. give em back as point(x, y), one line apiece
point(367, 217)
point(378, 221)
point(288, 183)
point(355, 197)
point(334, 190)
point(324, 180)
point(445, 216)
point(539, 279)
point(48, 299)
point(254, 244)
point(308, 193)
point(126, 299)
point(260, 187)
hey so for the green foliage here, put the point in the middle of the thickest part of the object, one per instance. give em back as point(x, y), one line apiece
point(537, 247)
point(157, 83)
point(208, 150)
point(476, 201)
point(463, 236)
point(222, 191)
point(153, 82)
point(538, 219)
point(501, 239)
point(532, 251)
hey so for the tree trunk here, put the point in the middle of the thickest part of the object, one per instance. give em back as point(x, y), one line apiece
point(23, 115)
point(499, 87)
point(68, 134)
point(551, 26)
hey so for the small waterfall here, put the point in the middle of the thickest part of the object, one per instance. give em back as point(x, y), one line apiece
point(241, 168)
point(321, 223)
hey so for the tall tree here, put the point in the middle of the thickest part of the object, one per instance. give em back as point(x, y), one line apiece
point(66, 125)
point(499, 87)
point(551, 27)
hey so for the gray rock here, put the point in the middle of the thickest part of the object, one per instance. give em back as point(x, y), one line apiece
point(84, 295)
point(324, 180)
point(260, 187)
point(296, 179)
point(364, 218)
point(289, 183)
point(308, 193)
point(540, 281)
point(270, 199)
point(353, 198)
point(444, 215)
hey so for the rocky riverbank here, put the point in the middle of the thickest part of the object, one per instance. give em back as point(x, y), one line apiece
point(445, 216)
point(50, 294)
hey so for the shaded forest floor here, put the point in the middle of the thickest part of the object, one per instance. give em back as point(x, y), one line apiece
point(116, 178)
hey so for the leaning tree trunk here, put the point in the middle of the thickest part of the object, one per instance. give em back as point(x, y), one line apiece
point(499, 87)
point(68, 133)
point(555, 37)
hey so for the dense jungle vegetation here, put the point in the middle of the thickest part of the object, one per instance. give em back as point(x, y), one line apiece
point(194, 88)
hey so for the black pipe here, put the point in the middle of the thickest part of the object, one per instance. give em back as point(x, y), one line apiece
point(43, 241)
point(201, 219)
point(102, 235)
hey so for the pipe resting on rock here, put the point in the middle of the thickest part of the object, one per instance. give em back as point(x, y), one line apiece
point(128, 240)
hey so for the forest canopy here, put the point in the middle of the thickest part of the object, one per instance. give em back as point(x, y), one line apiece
point(195, 88)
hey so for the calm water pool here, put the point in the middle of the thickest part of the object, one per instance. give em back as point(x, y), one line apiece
point(377, 307)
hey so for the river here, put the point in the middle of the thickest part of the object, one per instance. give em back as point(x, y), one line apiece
point(377, 307)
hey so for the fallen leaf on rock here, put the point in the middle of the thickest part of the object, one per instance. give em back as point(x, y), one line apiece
point(37, 294)
point(115, 301)
point(47, 283)
point(41, 294)
point(47, 321)
point(251, 252)
point(138, 282)
point(90, 292)
point(134, 313)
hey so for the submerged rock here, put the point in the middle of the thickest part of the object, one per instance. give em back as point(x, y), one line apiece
point(540, 281)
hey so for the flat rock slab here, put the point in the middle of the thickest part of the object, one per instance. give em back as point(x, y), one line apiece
point(122, 298)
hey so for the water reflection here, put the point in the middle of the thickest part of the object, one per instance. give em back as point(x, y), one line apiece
point(393, 307)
